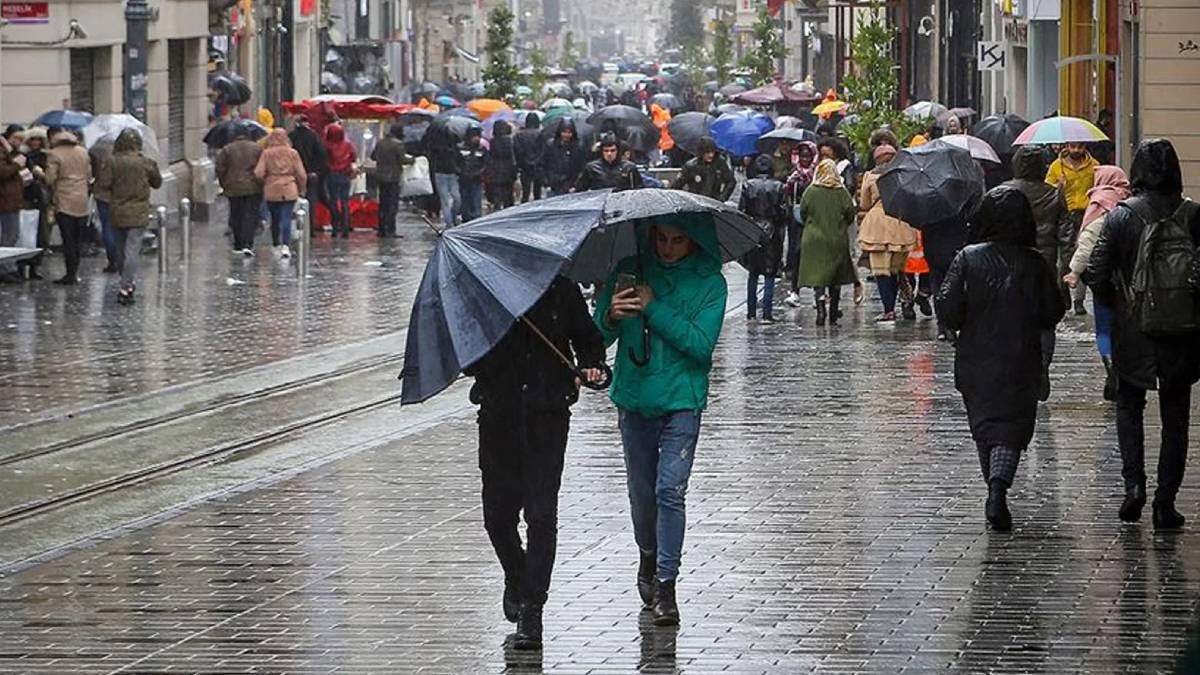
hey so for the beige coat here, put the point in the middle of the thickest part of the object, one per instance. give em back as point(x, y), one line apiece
point(280, 169)
point(879, 231)
point(68, 173)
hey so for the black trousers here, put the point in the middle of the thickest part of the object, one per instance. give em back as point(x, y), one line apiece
point(531, 184)
point(500, 194)
point(389, 206)
point(1174, 406)
point(73, 229)
point(938, 267)
point(521, 459)
point(243, 219)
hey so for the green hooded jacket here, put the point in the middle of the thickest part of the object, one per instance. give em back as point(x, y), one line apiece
point(685, 320)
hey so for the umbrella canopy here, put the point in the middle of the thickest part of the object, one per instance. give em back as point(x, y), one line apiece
point(447, 101)
point(847, 120)
point(71, 120)
point(787, 122)
point(622, 117)
point(731, 90)
point(489, 124)
point(978, 147)
point(556, 102)
point(223, 134)
point(999, 131)
point(106, 128)
point(729, 108)
point(476, 89)
point(586, 86)
point(770, 142)
point(688, 128)
point(484, 275)
point(233, 88)
point(1060, 130)
point(417, 115)
point(770, 94)
point(960, 113)
point(459, 112)
point(931, 183)
point(524, 90)
point(427, 90)
point(711, 87)
point(486, 107)
point(669, 101)
point(559, 89)
point(923, 109)
point(829, 107)
point(738, 133)
point(457, 125)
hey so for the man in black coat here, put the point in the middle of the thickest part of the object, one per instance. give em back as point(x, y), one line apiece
point(707, 173)
point(525, 392)
point(527, 149)
point(610, 170)
point(390, 159)
point(562, 159)
point(999, 295)
point(501, 166)
point(1170, 364)
point(315, 159)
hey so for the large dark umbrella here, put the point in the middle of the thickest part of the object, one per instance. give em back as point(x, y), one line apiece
point(233, 88)
point(729, 108)
point(771, 94)
point(483, 276)
point(770, 142)
point(456, 125)
point(687, 129)
point(618, 117)
point(417, 115)
point(459, 112)
point(930, 183)
point(999, 131)
point(584, 131)
point(731, 90)
point(669, 101)
point(427, 90)
point(223, 134)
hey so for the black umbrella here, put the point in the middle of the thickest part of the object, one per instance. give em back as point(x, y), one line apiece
point(233, 88)
point(416, 115)
point(729, 107)
point(668, 101)
point(456, 125)
point(617, 117)
point(999, 131)
point(687, 130)
point(930, 183)
point(731, 90)
point(769, 142)
point(483, 276)
point(427, 90)
point(458, 112)
point(223, 134)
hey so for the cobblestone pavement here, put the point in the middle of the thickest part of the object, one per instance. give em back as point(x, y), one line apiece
point(64, 348)
point(835, 525)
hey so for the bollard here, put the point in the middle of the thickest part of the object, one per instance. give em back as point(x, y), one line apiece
point(185, 228)
point(302, 238)
point(159, 215)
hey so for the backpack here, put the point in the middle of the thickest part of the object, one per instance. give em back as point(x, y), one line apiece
point(1161, 296)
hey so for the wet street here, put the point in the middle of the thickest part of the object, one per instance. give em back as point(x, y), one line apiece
point(220, 480)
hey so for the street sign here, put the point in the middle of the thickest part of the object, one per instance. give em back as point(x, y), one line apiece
point(25, 12)
point(991, 55)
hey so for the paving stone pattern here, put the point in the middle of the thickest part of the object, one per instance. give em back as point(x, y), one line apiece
point(835, 525)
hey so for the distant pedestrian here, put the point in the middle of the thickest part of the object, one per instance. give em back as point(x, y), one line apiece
point(445, 162)
point(563, 158)
point(666, 326)
point(1074, 174)
point(99, 154)
point(68, 175)
point(390, 158)
point(763, 198)
point(1112, 187)
point(129, 177)
point(12, 196)
point(283, 179)
point(470, 181)
point(1143, 266)
point(610, 170)
point(527, 150)
point(525, 394)
point(1000, 296)
point(827, 211)
point(235, 171)
point(501, 167)
point(37, 195)
point(308, 144)
point(343, 167)
point(887, 241)
point(707, 173)
point(804, 165)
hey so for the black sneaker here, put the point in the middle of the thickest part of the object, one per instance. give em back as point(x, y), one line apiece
point(923, 305)
point(666, 612)
point(66, 281)
point(512, 600)
point(529, 628)
point(1167, 518)
point(907, 311)
point(646, 582)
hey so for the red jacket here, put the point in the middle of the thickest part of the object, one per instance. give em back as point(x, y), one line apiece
point(341, 154)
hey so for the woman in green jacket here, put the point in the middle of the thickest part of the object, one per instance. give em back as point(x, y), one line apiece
point(660, 391)
point(827, 211)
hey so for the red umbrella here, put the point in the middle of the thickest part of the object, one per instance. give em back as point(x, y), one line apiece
point(773, 93)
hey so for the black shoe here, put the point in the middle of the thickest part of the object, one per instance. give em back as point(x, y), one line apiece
point(512, 600)
point(529, 628)
point(111, 268)
point(666, 612)
point(1110, 380)
point(65, 281)
point(646, 582)
point(923, 305)
point(1131, 508)
point(125, 297)
point(834, 315)
point(821, 313)
point(996, 508)
point(907, 311)
point(1167, 518)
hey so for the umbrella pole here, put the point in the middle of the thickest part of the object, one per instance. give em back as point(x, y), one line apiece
point(603, 384)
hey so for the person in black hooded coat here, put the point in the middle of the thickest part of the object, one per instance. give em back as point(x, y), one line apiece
point(563, 159)
point(1169, 364)
point(527, 150)
point(501, 166)
point(1000, 295)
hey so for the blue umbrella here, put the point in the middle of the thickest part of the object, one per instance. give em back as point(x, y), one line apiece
point(483, 276)
point(72, 120)
point(738, 132)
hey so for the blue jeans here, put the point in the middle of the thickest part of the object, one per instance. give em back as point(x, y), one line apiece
point(752, 295)
point(339, 202)
point(1103, 316)
point(471, 191)
point(446, 185)
point(106, 232)
point(281, 222)
point(658, 462)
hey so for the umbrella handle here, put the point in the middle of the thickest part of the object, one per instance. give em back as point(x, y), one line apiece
point(645, 348)
point(604, 382)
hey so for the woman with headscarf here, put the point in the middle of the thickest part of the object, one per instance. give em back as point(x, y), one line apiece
point(804, 164)
point(827, 211)
point(1112, 187)
point(1000, 295)
point(885, 240)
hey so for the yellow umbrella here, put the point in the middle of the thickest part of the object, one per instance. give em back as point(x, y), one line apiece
point(486, 107)
point(829, 107)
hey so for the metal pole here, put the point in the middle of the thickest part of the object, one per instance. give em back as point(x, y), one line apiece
point(302, 236)
point(138, 15)
point(185, 229)
point(160, 214)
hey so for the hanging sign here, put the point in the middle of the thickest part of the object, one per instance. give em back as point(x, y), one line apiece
point(25, 12)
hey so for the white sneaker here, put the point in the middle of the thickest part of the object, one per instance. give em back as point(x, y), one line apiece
point(248, 253)
point(792, 300)
point(285, 251)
